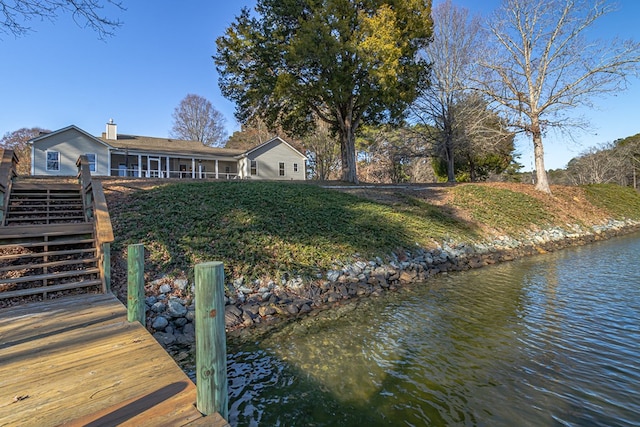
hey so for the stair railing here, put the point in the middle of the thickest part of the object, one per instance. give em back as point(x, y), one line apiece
point(8, 165)
point(96, 211)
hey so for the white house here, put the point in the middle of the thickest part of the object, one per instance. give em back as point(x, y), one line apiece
point(114, 154)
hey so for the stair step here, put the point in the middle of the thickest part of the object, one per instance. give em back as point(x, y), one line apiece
point(45, 186)
point(49, 243)
point(49, 276)
point(50, 288)
point(44, 218)
point(45, 205)
point(49, 230)
point(48, 264)
point(48, 253)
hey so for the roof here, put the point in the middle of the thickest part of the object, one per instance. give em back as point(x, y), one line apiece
point(74, 127)
point(167, 146)
point(274, 139)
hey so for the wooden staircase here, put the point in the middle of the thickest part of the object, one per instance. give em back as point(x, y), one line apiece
point(54, 237)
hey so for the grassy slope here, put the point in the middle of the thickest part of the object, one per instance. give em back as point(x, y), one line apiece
point(259, 229)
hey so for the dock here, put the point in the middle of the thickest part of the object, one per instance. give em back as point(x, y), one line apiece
point(77, 361)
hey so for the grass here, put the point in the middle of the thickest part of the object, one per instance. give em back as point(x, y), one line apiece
point(620, 202)
point(501, 209)
point(259, 228)
point(263, 229)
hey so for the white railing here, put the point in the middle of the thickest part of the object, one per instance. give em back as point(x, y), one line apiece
point(135, 173)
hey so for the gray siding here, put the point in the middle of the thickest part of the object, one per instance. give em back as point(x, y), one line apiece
point(70, 145)
point(269, 157)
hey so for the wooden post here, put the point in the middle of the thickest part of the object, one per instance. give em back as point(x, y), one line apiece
point(211, 343)
point(135, 282)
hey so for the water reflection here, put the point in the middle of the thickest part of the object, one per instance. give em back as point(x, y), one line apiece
point(550, 340)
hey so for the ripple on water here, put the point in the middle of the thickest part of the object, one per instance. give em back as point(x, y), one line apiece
point(551, 340)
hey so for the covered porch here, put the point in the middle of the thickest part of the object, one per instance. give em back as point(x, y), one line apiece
point(154, 165)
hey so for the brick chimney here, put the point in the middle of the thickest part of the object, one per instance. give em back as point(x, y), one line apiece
point(112, 130)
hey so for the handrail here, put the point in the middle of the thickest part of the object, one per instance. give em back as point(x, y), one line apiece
point(8, 166)
point(96, 211)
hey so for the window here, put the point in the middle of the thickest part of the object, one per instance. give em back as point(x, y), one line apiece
point(53, 161)
point(281, 168)
point(91, 157)
point(254, 167)
point(295, 167)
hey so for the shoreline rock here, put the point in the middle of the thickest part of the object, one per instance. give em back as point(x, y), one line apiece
point(171, 307)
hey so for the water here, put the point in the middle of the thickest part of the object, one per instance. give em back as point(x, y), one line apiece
point(552, 340)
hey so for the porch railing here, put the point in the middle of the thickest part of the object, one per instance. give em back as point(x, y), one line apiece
point(134, 173)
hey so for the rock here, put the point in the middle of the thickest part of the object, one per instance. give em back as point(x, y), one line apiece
point(232, 315)
point(191, 314)
point(164, 338)
point(158, 307)
point(189, 328)
point(266, 310)
point(181, 284)
point(159, 323)
point(176, 309)
point(180, 322)
point(333, 275)
point(165, 288)
point(150, 300)
point(292, 309)
point(305, 308)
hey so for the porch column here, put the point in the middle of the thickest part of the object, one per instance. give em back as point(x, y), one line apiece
point(168, 168)
point(193, 168)
point(148, 167)
point(139, 165)
point(216, 168)
point(200, 169)
point(108, 162)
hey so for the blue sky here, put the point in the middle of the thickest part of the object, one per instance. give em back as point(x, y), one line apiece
point(61, 74)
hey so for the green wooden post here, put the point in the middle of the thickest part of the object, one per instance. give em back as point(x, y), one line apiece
point(211, 342)
point(106, 265)
point(135, 282)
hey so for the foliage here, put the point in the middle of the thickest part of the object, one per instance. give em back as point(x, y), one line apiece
point(387, 155)
point(18, 141)
point(323, 153)
point(195, 119)
point(455, 47)
point(505, 210)
point(345, 62)
point(620, 202)
point(257, 228)
point(14, 14)
point(543, 65)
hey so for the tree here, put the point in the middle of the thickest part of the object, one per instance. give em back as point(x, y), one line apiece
point(14, 14)
point(345, 62)
point(18, 141)
point(195, 119)
point(544, 65)
point(323, 152)
point(455, 47)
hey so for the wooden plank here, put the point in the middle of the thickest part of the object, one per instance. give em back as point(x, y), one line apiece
point(47, 218)
point(78, 362)
point(37, 230)
point(49, 243)
point(33, 266)
point(104, 231)
point(51, 288)
point(45, 185)
point(48, 276)
point(48, 253)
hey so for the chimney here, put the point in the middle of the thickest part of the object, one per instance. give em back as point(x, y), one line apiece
point(112, 130)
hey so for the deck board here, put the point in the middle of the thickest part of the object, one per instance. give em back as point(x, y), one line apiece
point(77, 361)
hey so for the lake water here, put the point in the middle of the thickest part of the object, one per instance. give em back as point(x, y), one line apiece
point(552, 340)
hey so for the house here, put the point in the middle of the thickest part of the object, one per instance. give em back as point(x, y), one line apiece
point(113, 154)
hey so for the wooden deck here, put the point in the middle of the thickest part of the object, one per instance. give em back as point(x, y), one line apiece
point(78, 362)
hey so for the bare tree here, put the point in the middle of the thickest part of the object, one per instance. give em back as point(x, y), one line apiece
point(544, 65)
point(323, 151)
point(18, 141)
point(196, 119)
point(453, 50)
point(15, 14)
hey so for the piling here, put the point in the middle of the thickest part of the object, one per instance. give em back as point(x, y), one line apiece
point(135, 282)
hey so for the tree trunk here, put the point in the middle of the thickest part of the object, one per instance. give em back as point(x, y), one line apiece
point(348, 150)
point(451, 173)
point(542, 183)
